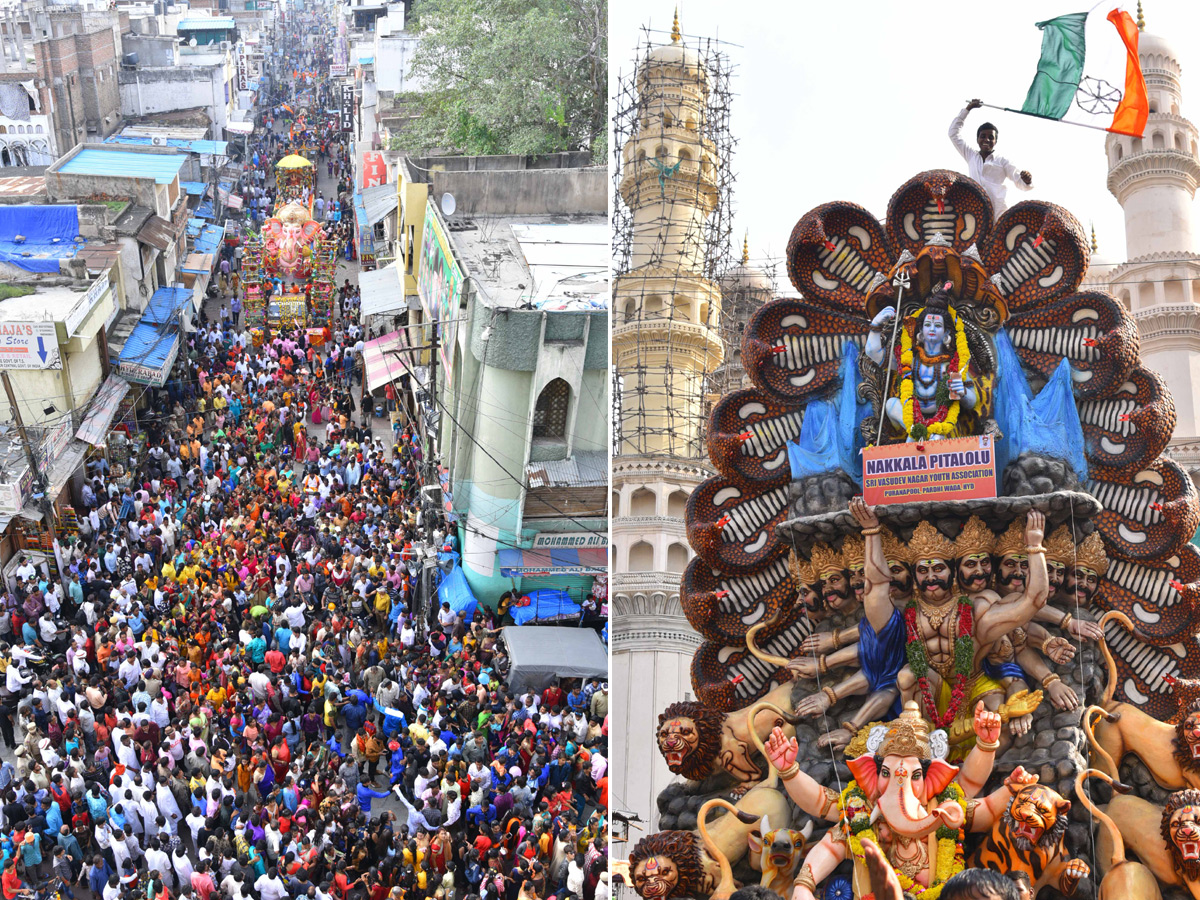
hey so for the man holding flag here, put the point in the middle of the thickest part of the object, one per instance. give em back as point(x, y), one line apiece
point(983, 165)
point(1057, 84)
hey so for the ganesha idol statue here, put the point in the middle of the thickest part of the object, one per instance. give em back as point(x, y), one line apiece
point(288, 241)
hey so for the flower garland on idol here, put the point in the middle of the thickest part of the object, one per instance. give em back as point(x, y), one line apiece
point(945, 419)
point(949, 840)
point(964, 654)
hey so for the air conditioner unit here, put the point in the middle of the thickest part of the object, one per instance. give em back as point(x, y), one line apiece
point(158, 141)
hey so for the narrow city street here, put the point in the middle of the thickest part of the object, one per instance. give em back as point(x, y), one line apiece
point(243, 657)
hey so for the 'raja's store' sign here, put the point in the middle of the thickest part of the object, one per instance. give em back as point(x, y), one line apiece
point(955, 469)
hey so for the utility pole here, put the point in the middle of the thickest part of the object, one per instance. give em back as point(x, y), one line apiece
point(431, 478)
point(39, 483)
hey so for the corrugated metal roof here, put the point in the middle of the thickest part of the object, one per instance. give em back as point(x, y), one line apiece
point(156, 232)
point(201, 23)
point(165, 304)
point(103, 409)
point(382, 292)
point(148, 346)
point(379, 201)
point(162, 167)
point(581, 470)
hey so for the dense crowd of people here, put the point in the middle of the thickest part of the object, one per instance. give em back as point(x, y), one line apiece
point(235, 688)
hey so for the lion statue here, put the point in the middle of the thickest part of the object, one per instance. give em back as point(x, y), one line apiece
point(698, 742)
point(689, 738)
point(669, 864)
point(1170, 752)
point(699, 863)
point(1166, 840)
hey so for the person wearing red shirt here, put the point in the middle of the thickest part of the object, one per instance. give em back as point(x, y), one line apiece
point(275, 659)
point(10, 882)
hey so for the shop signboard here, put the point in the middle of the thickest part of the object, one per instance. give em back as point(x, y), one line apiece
point(575, 540)
point(439, 285)
point(29, 345)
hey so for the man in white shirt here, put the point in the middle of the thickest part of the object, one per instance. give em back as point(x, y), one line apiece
point(983, 165)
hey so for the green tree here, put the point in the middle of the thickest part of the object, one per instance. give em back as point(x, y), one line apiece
point(510, 76)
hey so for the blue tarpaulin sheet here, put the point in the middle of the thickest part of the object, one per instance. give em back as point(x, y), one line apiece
point(193, 188)
point(205, 210)
point(40, 226)
point(455, 591)
point(546, 604)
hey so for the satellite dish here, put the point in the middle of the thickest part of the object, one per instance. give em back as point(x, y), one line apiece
point(448, 204)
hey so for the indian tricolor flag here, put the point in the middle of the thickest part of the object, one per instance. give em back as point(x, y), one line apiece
point(1103, 92)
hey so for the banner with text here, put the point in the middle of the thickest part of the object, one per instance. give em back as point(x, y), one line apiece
point(955, 469)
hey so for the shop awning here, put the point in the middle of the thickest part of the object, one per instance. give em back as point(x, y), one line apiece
point(379, 202)
point(103, 410)
point(382, 364)
point(382, 292)
point(543, 655)
point(148, 354)
point(65, 467)
point(553, 561)
point(242, 127)
point(164, 306)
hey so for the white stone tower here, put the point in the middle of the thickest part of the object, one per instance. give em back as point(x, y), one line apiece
point(665, 344)
point(1154, 178)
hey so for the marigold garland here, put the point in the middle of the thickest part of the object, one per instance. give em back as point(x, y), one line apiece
point(949, 840)
point(945, 420)
point(964, 655)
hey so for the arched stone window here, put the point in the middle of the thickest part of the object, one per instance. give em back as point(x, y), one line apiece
point(550, 413)
point(641, 557)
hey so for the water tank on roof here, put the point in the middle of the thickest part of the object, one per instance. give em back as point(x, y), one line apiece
point(129, 60)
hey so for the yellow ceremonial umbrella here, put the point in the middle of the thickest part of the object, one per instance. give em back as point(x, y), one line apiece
point(293, 162)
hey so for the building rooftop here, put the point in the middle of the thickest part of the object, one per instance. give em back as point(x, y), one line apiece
point(220, 148)
point(549, 262)
point(26, 186)
point(205, 23)
point(47, 303)
point(162, 167)
point(178, 132)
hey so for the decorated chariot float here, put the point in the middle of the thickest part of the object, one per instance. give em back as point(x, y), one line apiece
point(944, 579)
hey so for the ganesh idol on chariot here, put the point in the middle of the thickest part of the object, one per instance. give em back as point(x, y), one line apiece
point(926, 573)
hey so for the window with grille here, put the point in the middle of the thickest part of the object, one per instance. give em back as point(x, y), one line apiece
point(550, 414)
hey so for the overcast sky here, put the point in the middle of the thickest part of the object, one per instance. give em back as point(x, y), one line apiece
point(847, 100)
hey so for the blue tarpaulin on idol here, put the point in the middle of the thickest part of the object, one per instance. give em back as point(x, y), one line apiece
point(829, 438)
point(48, 234)
point(1047, 424)
point(455, 591)
point(546, 604)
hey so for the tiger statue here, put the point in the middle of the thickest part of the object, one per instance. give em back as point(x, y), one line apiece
point(1027, 834)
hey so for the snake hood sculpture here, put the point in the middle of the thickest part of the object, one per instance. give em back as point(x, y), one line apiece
point(941, 322)
point(1012, 307)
